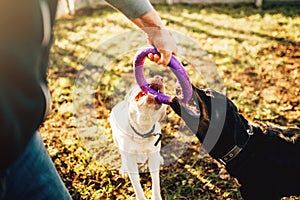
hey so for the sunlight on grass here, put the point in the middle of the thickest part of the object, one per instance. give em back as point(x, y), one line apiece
point(257, 56)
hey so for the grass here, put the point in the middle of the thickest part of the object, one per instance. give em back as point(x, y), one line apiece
point(256, 53)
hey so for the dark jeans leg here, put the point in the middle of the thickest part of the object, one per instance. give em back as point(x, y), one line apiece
point(33, 176)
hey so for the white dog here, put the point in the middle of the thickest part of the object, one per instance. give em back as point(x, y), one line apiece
point(137, 133)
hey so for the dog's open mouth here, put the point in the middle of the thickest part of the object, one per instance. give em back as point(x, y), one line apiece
point(157, 84)
point(194, 107)
point(149, 100)
point(142, 93)
point(157, 87)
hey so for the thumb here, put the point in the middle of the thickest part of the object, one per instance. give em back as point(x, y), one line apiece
point(165, 57)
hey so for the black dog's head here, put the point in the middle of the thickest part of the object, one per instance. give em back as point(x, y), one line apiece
point(219, 125)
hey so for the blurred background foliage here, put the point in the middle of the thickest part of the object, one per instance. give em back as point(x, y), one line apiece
point(256, 52)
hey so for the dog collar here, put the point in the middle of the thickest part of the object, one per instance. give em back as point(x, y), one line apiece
point(236, 149)
point(147, 135)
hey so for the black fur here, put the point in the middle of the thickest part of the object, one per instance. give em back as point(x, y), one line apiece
point(268, 167)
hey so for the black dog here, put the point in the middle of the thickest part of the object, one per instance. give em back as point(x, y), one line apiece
point(265, 159)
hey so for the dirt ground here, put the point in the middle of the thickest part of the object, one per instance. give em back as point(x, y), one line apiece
point(256, 52)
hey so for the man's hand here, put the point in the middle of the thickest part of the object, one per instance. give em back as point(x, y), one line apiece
point(164, 43)
point(158, 36)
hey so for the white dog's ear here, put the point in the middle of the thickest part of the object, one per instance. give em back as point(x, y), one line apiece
point(163, 112)
point(130, 93)
point(127, 96)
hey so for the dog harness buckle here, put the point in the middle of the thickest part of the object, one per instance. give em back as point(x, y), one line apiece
point(236, 149)
point(230, 155)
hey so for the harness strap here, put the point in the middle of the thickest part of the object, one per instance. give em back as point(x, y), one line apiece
point(147, 135)
point(236, 149)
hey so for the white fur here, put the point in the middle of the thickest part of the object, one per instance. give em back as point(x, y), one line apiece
point(133, 148)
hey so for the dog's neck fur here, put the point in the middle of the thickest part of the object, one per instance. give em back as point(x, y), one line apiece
point(289, 134)
point(271, 148)
point(143, 110)
point(234, 134)
point(143, 122)
point(140, 128)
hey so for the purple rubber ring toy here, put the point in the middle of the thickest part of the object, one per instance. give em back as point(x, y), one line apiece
point(176, 67)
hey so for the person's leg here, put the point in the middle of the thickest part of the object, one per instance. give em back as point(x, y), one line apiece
point(33, 176)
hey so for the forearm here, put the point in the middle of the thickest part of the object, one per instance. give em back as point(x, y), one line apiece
point(150, 19)
point(131, 8)
point(151, 24)
point(142, 14)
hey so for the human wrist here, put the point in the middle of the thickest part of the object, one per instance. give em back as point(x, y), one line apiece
point(156, 34)
point(150, 19)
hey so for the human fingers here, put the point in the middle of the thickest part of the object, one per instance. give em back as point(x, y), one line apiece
point(151, 57)
point(154, 58)
point(164, 43)
point(165, 57)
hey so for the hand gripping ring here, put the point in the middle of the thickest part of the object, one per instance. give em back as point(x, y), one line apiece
point(175, 66)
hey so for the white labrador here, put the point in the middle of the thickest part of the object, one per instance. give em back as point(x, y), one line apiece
point(137, 133)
